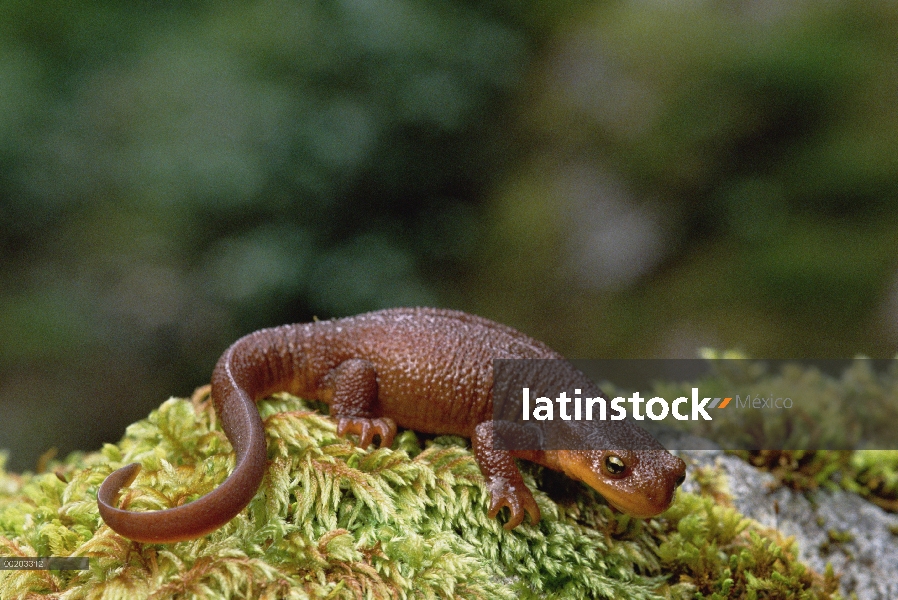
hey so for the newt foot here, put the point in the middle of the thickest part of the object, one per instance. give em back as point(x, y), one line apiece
point(518, 499)
point(367, 428)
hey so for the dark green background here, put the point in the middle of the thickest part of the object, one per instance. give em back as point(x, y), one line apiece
point(618, 179)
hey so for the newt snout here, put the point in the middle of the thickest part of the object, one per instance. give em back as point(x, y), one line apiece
point(641, 483)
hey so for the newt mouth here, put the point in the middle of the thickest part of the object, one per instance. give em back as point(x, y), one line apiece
point(635, 506)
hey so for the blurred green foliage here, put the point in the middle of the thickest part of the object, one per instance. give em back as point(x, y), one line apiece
point(617, 178)
point(747, 152)
point(173, 176)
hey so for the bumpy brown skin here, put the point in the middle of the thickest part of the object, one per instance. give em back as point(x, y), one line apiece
point(423, 369)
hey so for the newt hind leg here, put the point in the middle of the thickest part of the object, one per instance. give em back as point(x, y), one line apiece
point(355, 404)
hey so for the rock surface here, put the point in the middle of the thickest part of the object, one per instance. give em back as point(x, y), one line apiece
point(858, 538)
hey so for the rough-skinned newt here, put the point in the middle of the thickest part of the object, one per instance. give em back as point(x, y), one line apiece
point(424, 369)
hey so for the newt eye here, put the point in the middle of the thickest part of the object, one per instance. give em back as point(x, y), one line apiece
point(614, 465)
point(680, 480)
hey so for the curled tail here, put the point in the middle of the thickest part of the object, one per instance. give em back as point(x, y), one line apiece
point(239, 379)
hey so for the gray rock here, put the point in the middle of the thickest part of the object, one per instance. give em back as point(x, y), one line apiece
point(862, 549)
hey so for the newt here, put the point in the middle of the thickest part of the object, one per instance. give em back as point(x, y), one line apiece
point(424, 369)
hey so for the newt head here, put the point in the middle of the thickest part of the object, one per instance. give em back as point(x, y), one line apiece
point(640, 483)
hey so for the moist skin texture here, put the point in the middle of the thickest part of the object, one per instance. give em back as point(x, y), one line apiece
point(420, 368)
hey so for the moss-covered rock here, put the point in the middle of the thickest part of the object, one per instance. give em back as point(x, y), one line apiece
point(335, 521)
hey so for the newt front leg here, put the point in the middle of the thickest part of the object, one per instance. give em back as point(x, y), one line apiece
point(503, 478)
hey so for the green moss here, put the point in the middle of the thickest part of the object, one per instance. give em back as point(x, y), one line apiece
point(711, 483)
point(801, 470)
point(871, 473)
point(837, 539)
point(335, 521)
point(874, 474)
point(721, 554)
